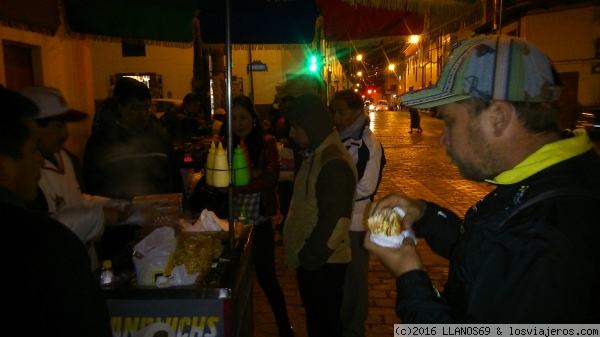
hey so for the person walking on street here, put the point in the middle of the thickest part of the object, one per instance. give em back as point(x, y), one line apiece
point(352, 124)
point(415, 120)
point(48, 274)
point(315, 233)
point(528, 251)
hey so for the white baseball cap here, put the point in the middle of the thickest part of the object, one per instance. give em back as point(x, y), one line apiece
point(52, 104)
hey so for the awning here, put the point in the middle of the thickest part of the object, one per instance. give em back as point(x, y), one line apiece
point(259, 22)
point(344, 22)
point(40, 16)
point(151, 20)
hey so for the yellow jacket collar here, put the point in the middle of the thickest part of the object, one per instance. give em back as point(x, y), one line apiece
point(548, 155)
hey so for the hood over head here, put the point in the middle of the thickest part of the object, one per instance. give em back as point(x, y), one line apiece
point(309, 112)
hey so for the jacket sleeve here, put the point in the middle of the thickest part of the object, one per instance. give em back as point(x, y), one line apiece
point(86, 222)
point(335, 190)
point(440, 227)
point(418, 301)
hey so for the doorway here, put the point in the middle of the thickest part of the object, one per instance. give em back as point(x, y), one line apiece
point(19, 65)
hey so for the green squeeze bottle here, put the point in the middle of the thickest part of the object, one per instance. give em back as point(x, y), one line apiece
point(239, 166)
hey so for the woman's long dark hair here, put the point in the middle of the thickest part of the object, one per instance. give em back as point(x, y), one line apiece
point(254, 141)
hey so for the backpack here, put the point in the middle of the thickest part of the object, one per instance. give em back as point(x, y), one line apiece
point(361, 164)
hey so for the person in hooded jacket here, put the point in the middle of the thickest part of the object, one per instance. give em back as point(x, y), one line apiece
point(315, 233)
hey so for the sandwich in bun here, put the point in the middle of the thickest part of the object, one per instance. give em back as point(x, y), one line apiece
point(386, 228)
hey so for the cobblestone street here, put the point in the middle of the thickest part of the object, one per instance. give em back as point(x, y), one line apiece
point(417, 166)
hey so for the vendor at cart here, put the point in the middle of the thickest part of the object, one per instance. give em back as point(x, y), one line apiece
point(132, 155)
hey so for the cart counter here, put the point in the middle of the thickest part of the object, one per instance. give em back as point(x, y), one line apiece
point(220, 305)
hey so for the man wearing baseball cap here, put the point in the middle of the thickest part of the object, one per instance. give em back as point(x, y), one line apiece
point(528, 251)
point(60, 184)
point(47, 287)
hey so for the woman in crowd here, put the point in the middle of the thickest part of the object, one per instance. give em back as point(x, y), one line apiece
point(259, 198)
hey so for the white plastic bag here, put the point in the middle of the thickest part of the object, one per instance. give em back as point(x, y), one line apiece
point(179, 277)
point(153, 256)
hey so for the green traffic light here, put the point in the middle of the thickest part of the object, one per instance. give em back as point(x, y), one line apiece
point(313, 64)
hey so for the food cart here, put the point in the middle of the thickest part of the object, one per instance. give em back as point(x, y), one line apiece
point(219, 304)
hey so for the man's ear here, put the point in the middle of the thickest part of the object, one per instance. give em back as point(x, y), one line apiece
point(499, 116)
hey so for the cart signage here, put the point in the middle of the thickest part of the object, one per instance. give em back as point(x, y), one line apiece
point(177, 317)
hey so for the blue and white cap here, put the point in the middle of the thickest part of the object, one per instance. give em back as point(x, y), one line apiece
point(494, 67)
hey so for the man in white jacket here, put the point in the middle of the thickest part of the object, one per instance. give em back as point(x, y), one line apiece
point(352, 124)
point(61, 195)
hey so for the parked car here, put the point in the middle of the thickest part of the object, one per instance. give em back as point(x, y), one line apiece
point(162, 105)
point(382, 105)
point(589, 119)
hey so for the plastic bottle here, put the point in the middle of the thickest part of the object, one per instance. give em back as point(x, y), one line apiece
point(221, 168)
point(107, 275)
point(248, 163)
point(239, 167)
point(243, 217)
point(210, 164)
